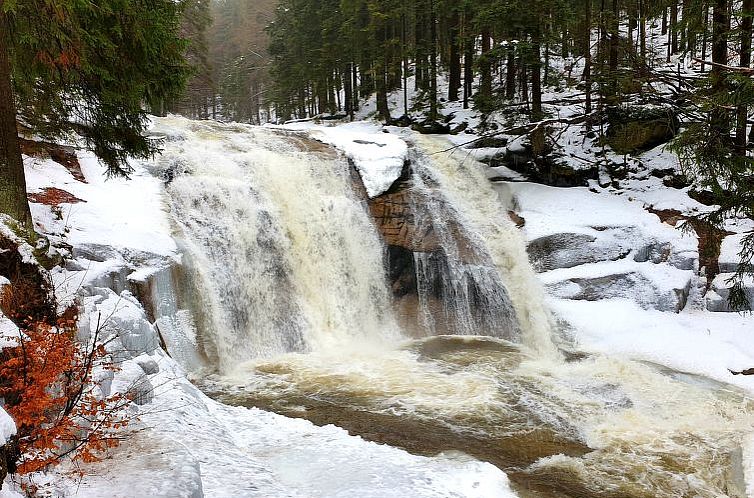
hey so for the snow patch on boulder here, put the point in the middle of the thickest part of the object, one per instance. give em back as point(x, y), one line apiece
point(7, 427)
point(378, 156)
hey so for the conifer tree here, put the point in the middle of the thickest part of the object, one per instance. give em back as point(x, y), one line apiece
point(89, 69)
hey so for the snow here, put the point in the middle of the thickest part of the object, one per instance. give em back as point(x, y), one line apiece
point(729, 252)
point(7, 427)
point(125, 214)
point(378, 157)
point(579, 210)
point(699, 342)
point(198, 444)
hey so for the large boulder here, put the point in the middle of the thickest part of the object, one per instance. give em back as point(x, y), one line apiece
point(566, 250)
point(637, 129)
point(651, 286)
point(717, 296)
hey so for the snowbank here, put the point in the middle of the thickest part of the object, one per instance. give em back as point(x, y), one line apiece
point(379, 157)
point(124, 214)
point(7, 427)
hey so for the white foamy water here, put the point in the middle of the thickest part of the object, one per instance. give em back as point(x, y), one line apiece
point(291, 304)
point(283, 255)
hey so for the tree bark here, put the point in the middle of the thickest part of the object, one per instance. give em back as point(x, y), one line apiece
point(433, 111)
point(536, 77)
point(485, 70)
point(588, 57)
point(510, 74)
point(468, 70)
point(719, 117)
point(454, 80)
point(13, 200)
point(742, 111)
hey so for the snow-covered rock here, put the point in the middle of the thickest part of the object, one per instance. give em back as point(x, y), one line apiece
point(660, 287)
point(729, 252)
point(378, 157)
point(7, 427)
point(719, 292)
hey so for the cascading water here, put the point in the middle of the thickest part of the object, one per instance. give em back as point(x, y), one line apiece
point(282, 253)
point(481, 271)
point(293, 307)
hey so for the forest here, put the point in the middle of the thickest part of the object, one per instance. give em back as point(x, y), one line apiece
point(427, 248)
point(687, 63)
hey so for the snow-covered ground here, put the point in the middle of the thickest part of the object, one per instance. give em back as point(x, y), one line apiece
point(190, 445)
point(185, 444)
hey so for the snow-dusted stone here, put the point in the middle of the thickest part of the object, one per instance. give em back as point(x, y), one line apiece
point(378, 157)
point(717, 297)
point(729, 252)
point(566, 250)
point(132, 380)
point(122, 315)
point(7, 427)
point(148, 364)
point(651, 286)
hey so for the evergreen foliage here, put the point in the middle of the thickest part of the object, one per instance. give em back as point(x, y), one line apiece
point(90, 68)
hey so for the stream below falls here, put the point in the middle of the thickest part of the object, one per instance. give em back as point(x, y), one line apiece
point(293, 307)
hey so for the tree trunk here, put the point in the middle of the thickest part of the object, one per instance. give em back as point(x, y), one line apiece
point(588, 57)
point(613, 56)
point(536, 77)
point(742, 111)
point(674, 27)
point(13, 201)
point(642, 35)
point(454, 80)
point(485, 73)
point(510, 74)
point(433, 112)
point(705, 24)
point(468, 70)
point(348, 93)
point(719, 118)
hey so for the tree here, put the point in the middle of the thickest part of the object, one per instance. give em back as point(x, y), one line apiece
point(90, 68)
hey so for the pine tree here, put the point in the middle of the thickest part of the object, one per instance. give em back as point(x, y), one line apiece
point(87, 69)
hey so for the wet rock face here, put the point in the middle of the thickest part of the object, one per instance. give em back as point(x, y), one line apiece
point(399, 225)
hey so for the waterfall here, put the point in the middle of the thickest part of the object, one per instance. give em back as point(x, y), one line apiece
point(282, 254)
point(481, 272)
point(284, 273)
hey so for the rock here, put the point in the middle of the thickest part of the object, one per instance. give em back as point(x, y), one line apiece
point(428, 127)
point(489, 143)
point(403, 121)
point(148, 364)
point(459, 128)
point(550, 168)
point(716, 298)
point(630, 285)
point(637, 129)
point(730, 248)
point(398, 223)
point(8, 446)
point(651, 286)
point(121, 316)
point(566, 250)
point(132, 381)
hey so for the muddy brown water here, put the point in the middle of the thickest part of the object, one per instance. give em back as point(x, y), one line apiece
point(500, 412)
